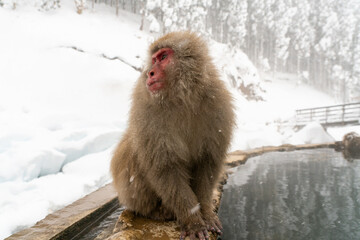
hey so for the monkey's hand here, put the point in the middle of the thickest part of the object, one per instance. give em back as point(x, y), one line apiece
point(213, 224)
point(195, 230)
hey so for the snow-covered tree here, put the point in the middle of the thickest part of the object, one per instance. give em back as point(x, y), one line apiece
point(254, 22)
point(315, 39)
point(344, 46)
point(354, 85)
point(185, 15)
point(176, 15)
point(11, 4)
point(334, 46)
point(80, 5)
point(47, 5)
point(154, 24)
point(259, 36)
point(237, 22)
point(302, 36)
point(282, 21)
point(151, 11)
point(321, 20)
point(42, 5)
point(197, 18)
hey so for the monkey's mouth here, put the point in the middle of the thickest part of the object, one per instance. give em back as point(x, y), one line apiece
point(150, 83)
point(154, 85)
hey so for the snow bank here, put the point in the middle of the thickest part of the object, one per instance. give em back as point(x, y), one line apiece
point(312, 133)
point(250, 136)
point(24, 203)
point(61, 110)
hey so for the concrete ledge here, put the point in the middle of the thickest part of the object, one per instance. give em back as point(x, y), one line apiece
point(240, 157)
point(73, 220)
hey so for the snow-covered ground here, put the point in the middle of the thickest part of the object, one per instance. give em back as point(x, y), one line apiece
point(62, 111)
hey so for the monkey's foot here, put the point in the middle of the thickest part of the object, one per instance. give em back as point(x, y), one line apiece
point(201, 234)
point(214, 225)
point(195, 229)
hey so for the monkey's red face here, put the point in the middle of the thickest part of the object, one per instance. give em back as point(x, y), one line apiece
point(156, 76)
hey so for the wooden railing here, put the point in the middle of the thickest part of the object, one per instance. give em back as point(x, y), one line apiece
point(330, 115)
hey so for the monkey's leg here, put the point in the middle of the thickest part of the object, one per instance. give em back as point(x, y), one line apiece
point(137, 196)
point(170, 180)
point(206, 174)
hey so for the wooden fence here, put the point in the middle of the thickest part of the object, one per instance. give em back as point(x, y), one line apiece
point(330, 115)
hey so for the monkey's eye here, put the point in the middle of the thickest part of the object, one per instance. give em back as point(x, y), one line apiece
point(163, 56)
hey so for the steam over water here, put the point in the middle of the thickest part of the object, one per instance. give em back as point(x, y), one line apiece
point(312, 194)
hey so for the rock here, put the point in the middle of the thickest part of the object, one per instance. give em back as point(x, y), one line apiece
point(351, 145)
point(134, 227)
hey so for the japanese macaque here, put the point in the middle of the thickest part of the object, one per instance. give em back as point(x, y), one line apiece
point(169, 159)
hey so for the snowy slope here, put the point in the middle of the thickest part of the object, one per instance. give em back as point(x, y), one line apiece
point(62, 110)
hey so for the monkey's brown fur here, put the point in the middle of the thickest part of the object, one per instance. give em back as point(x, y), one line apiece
point(172, 153)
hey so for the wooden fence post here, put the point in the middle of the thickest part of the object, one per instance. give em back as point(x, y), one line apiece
point(326, 115)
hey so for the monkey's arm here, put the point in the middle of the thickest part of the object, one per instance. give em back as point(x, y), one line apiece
point(204, 182)
point(171, 182)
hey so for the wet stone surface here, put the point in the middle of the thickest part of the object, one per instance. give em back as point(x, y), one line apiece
point(105, 228)
point(308, 194)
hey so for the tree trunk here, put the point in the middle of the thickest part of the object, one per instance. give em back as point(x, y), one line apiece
point(117, 7)
point(142, 15)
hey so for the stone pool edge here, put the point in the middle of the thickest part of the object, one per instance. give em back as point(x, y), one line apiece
point(239, 157)
point(74, 219)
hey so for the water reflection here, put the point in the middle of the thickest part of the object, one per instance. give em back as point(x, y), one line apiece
point(311, 194)
point(105, 228)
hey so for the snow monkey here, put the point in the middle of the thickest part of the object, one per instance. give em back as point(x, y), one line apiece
point(180, 125)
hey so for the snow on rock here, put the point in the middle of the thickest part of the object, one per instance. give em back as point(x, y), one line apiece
point(312, 133)
point(45, 163)
point(81, 143)
point(32, 159)
point(61, 110)
point(23, 203)
point(240, 73)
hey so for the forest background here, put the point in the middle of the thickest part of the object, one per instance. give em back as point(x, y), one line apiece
point(318, 40)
